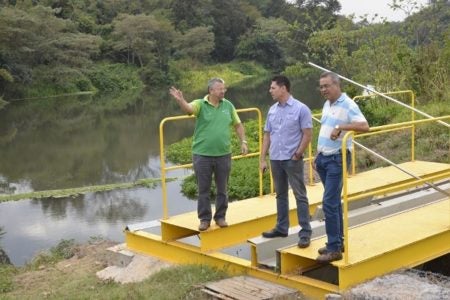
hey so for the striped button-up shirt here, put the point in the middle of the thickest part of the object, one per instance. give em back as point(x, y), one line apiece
point(343, 111)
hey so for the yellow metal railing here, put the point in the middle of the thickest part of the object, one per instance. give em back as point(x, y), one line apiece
point(316, 117)
point(373, 131)
point(164, 169)
point(413, 115)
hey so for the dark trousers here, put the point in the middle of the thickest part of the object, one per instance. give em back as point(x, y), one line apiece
point(205, 167)
point(285, 173)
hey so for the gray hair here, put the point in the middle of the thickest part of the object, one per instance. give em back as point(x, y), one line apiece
point(213, 81)
point(334, 77)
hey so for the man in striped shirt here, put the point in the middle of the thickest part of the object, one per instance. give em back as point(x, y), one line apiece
point(339, 115)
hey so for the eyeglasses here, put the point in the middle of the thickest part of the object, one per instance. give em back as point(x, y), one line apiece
point(325, 86)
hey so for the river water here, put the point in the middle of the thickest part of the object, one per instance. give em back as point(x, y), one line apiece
point(67, 142)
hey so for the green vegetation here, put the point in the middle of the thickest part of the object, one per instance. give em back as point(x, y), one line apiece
point(116, 45)
point(148, 182)
point(194, 78)
point(67, 271)
point(7, 273)
point(64, 250)
point(115, 77)
point(431, 139)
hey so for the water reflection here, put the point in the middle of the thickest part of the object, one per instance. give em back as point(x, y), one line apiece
point(112, 206)
point(78, 141)
point(33, 225)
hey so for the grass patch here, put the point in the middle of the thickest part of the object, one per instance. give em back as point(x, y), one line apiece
point(75, 278)
point(432, 140)
point(64, 250)
point(194, 78)
point(7, 273)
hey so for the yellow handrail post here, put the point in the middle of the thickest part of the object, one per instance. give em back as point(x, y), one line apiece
point(345, 193)
point(163, 168)
point(413, 128)
point(260, 137)
point(353, 160)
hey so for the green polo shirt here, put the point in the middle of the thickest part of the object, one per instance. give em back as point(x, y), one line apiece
point(212, 134)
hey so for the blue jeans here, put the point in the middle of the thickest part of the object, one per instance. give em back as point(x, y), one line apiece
point(204, 168)
point(330, 171)
point(285, 173)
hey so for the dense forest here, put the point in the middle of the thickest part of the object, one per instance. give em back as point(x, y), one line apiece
point(52, 47)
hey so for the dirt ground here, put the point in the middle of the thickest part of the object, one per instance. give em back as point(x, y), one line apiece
point(95, 259)
point(88, 259)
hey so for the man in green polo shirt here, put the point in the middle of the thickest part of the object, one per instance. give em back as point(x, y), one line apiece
point(211, 147)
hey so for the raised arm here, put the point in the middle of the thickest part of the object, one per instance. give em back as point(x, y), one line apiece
point(184, 105)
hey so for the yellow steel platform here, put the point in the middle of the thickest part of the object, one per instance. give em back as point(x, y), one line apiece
point(248, 218)
point(403, 240)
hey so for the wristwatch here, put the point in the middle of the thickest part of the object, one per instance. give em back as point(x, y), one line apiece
point(336, 127)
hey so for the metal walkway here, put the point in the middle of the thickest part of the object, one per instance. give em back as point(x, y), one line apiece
point(403, 240)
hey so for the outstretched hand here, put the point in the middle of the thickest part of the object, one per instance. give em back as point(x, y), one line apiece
point(177, 94)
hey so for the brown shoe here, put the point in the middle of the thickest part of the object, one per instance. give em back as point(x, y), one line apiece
point(329, 257)
point(203, 225)
point(221, 223)
point(324, 250)
point(304, 242)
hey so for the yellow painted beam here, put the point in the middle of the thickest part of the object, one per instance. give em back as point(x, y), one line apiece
point(399, 241)
point(181, 253)
point(405, 257)
point(171, 232)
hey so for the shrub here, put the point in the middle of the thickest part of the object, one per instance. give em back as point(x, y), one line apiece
point(115, 77)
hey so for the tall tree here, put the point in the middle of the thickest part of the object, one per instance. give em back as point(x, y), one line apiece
point(229, 23)
point(266, 43)
point(34, 38)
point(187, 14)
point(145, 40)
point(197, 43)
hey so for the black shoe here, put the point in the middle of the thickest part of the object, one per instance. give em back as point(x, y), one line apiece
point(304, 242)
point(273, 233)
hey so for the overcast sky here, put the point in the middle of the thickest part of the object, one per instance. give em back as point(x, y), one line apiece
point(371, 7)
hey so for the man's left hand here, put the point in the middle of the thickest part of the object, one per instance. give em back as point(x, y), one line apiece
point(244, 148)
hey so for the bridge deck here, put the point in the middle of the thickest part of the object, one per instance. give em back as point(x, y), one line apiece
point(402, 240)
point(248, 218)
